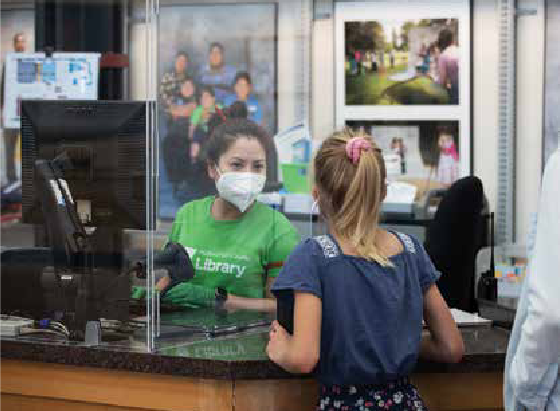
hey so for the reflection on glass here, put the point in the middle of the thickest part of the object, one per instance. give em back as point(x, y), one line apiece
point(236, 245)
point(78, 196)
point(74, 186)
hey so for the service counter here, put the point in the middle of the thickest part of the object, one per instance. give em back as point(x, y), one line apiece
point(216, 372)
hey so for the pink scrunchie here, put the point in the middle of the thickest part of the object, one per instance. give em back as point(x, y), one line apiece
point(354, 148)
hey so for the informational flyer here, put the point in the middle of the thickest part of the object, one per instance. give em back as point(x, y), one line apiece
point(62, 76)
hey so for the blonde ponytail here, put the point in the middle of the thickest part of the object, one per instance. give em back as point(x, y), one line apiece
point(351, 194)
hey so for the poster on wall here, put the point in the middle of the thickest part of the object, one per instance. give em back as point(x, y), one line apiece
point(552, 80)
point(421, 153)
point(62, 76)
point(210, 64)
point(406, 62)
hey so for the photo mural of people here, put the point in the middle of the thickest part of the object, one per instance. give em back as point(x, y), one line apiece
point(208, 62)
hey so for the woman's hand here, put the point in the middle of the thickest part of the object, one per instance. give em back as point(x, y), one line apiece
point(277, 348)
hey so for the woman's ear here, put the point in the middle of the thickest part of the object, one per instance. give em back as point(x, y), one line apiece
point(315, 193)
point(384, 191)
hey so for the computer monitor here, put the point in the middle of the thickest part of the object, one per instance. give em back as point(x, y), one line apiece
point(84, 168)
point(105, 142)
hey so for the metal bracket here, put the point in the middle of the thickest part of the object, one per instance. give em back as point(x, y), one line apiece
point(520, 12)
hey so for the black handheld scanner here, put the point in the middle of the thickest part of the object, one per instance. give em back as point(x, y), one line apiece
point(174, 258)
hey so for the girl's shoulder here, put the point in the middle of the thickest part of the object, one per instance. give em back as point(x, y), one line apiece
point(315, 249)
point(325, 246)
point(409, 243)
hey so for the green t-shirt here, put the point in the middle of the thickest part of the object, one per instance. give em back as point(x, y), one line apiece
point(196, 117)
point(238, 255)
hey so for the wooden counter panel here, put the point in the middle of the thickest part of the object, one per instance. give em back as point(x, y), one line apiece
point(12, 402)
point(441, 392)
point(115, 388)
point(275, 395)
point(29, 386)
point(469, 391)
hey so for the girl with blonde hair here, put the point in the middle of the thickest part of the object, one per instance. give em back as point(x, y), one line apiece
point(360, 293)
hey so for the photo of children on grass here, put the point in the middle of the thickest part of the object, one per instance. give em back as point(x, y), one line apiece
point(412, 62)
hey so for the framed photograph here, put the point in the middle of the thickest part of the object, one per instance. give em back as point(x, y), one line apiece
point(551, 133)
point(401, 62)
point(208, 61)
point(420, 152)
point(398, 60)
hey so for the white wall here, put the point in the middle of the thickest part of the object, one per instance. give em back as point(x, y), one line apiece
point(485, 96)
point(530, 77)
point(322, 79)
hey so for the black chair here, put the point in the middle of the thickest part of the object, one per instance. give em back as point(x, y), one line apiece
point(453, 240)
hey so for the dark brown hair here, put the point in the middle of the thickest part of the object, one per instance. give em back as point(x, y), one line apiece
point(224, 135)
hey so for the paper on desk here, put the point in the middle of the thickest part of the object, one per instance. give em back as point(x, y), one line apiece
point(398, 192)
point(465, 319)
point(298, 203)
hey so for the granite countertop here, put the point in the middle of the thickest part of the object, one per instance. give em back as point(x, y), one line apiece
point(237, 356)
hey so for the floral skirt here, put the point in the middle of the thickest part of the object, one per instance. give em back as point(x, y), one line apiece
point(397, 395)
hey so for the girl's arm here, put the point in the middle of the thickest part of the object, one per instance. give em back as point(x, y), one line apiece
point(298, 353)
point(445, 342)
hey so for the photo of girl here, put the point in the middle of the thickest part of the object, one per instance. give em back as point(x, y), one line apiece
point(398, 148)
point(448, 163)
point(418, 151)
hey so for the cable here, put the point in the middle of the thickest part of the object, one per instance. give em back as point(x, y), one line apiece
point(26, 331)
point(59, 324)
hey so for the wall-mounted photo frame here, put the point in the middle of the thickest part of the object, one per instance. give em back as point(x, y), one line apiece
point(227, 53)
point(551, 132)
point(425, 153)
point(403, 61)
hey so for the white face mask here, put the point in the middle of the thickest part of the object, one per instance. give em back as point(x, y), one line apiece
point(240, 189)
